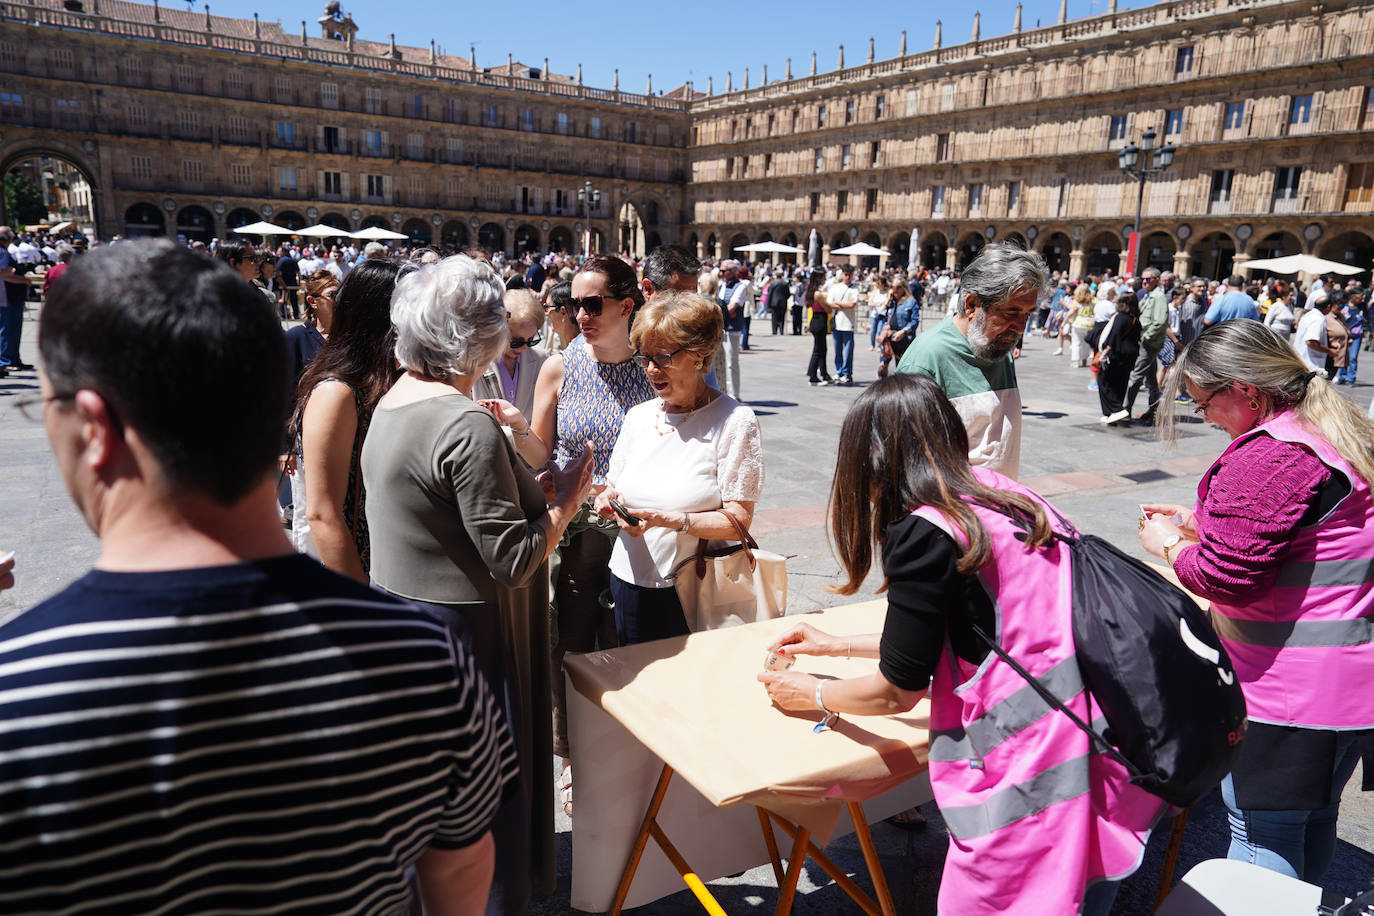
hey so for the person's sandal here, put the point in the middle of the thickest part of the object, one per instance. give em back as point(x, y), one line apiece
point(564, 786)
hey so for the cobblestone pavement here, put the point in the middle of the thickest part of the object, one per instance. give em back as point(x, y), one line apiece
point(1095, 476)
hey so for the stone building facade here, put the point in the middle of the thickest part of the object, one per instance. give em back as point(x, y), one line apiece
point(193, 124)
point(1016, 137)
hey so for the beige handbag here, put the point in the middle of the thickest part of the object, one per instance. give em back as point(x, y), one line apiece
point(729, 584)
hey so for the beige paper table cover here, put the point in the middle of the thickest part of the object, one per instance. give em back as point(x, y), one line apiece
point(694, 703)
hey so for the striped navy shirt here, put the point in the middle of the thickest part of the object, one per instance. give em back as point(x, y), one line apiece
point(264, 737)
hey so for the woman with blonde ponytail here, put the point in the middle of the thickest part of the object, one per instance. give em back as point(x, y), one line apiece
point(1281, 541)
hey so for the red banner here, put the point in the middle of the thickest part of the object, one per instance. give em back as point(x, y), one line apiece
point(1132, 252)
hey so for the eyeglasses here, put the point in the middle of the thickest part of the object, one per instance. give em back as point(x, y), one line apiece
point(661, 360)
point(1200, 408)
point(32, 406)
point(592, 305)
point(517, 342)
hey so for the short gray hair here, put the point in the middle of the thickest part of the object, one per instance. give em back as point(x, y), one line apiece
point(449, 317)
point(372, 249)
point(1002, 271)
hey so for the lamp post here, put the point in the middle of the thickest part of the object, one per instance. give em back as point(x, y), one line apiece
point(590, 198)
point(1138, 163)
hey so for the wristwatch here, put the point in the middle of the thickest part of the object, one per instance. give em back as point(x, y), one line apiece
point(1171, 541)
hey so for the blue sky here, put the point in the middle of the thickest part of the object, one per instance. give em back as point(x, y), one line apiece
point(674, 43)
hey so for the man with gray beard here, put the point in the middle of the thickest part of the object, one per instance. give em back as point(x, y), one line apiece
point(969, 353)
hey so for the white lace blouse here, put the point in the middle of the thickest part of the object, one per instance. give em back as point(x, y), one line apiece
point(691, 462)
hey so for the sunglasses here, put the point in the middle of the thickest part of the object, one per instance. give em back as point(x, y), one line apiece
point(661, 360)
point(517, 342)
point(592, 305)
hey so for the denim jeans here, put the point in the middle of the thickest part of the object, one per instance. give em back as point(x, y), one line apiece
point(11, 327)
point(844, 353)
point(1352, 355)
point(1299, 844)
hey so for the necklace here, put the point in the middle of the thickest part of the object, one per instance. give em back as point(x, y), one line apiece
point(677, 419)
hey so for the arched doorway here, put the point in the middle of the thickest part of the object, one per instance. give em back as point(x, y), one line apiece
point(870, 260)
point(492, 237)
point(526, 239)
point(789, 238)
point(1056, 250)
point(195, 224)
point(290, 219)
point(630, 225)
point(840, 240)
point(1157, 251)
point(711, 248)
point(45, 186)
point(1102, 253)
point(598, 241)
point(375, 222)
point(1278, 245)
point(1213, 256)
point(1353, 248)
point(738, 241)
point(652, 240)
point(417, 231)
point(240, 216)
point(969, 247)
point(561, 239)
point(143, 221)
point(337, 220)
point(899, 243)
point(454, 235)
point(934, 245)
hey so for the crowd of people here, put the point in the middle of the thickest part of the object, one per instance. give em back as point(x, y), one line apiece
point(500, 461)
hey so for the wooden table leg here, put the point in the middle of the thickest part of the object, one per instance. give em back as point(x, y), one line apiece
point(1166, 874)
point(771, 842)
point(689, 877)
point(642, 840)
point(837, 874)
point(787, 891)
point(875, 866)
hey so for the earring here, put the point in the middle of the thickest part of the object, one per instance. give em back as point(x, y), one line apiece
point(1254, 405)
point(699, 364)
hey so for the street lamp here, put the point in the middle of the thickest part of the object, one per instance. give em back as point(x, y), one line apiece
point(1135, 161)
point(590, 198)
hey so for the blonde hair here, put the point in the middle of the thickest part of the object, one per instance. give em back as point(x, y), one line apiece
point(523, 305)
point(1083, 294)
point(687, 321)
point(1246, 352)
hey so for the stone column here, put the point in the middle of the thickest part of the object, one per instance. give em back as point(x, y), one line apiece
point(1237, 260)
point(1181, 261)
point(1121, 263)
point(951, 257)
point(1076, 258)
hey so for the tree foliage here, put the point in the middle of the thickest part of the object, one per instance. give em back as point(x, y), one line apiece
point(23, 200)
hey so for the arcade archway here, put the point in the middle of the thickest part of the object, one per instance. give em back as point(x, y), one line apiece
point(48, 187)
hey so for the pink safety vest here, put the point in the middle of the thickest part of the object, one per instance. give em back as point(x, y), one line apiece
point(1304, 650)
point(1034, 816)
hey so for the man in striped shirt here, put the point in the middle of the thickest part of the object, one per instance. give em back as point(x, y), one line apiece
point(208, 721)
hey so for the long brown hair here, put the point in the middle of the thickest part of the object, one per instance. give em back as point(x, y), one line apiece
point(903, 446)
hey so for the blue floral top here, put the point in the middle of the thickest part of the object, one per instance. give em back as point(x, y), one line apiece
point(591, 405)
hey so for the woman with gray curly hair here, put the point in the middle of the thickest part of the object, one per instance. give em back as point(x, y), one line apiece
point(460, 526)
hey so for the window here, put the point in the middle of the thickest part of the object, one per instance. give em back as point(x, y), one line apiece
point(870, 201)
point(1183, 62)
point(913, 99)
point(846, 156)
point(283, 90)
point(815, 202)
point(880, 106)
point(189, 121)
point(1118, 128)
point(1013, 197)
point(729, 166)
point(415, 188)
point(415, 146)
point(1220, 197)
point(767, 163)
point(329, 95)
point(849, 112)
point(1173, 122)
point(1286, 180)
point(527, 119)
point(975, 198)
point(333, 183)
point(1359, 184)
point(796, 116)
point(841, 202)
point(947, 97)
point(453, 111)
point(138, 122)
point(415, 106)
point(62, 58)
point(68, 110)
point(560, 200)
point(820, 116)
point(286, 133)
point(372, 100)
point(9, 56)
point(376, 185)
point(1300, 110)
point(332, 141)
point(1235, 112)
point(192, 170)
point(562, 122)
point(820, 158)
point(874, 149)
point(937, 201)
point(132, 69)
point(594, 128)
point(748, 128)
point(632, 167)
point(372, 142)
point(1367, 116)
point(631, 129)
point(11, 100)
point(772, 119)
point(141, 167)
point(286, 179)
point(185, 76)
point(453, 149)
point(941, 147)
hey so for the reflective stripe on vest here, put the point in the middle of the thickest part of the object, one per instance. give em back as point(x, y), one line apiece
point(1059, 783)
point(1326, 573)
point(998, 723)
point(1294, 633)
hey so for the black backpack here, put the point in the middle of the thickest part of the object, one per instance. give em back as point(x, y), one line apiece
point(1150, 659)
